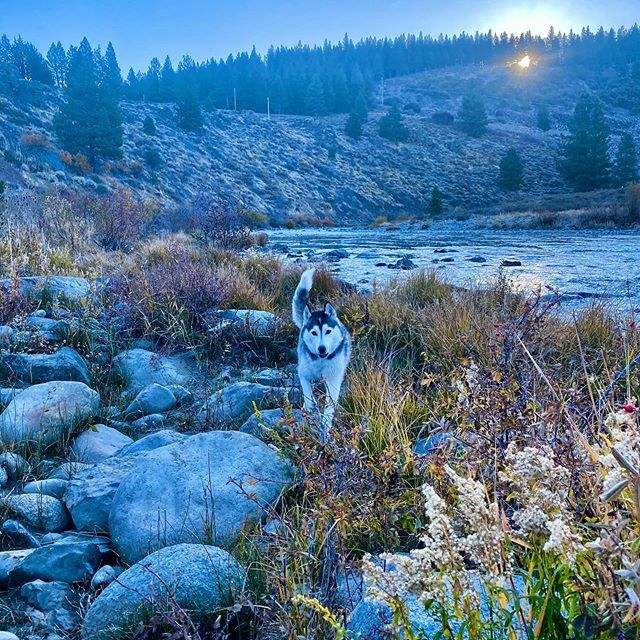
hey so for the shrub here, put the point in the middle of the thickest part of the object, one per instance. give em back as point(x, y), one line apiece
point(35, 141)
point(442, 117)
point(81, 164)
point(412, 107)
point(473, 117)
point(353, 126)
point(392, 127)
point(153, 158)
point(149, 126)
point(136, 168)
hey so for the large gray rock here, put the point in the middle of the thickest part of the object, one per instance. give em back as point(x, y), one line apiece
point(200, 579)
point(9, 560)
point(140, 368)
point(42, 414)
point(51, 288)
point(50, 487)
point(7, 335)
point(188, 492)
point(15, 465)
point(154, 398)
point(98, 443)
point(237, 401)
point(57, 600)
point(91, 492)
point(258, 323)
point(151, 442)
point(39, 510)
point(35, 368)
point(68, 470)
point(65, 562)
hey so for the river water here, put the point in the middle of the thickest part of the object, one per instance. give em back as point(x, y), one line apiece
point(581, 265)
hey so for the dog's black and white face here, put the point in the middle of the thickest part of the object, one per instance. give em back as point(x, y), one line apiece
point(321, 331)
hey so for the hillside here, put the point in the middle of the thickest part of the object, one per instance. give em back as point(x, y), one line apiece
point(283, 167)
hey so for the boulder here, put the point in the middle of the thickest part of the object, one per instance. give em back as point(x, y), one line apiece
point(200, 579)
point(41, 511)
point(54, 487)
point(405, 264)
point(9, 560)
point(188, 492)
point(151, 442)
point(35, 368)
point(236, 402)
point(18, 535)
point(260, 425)
point(182, 395)
point(511, 262)
point(140, 368)
point(257, 323)
point(45, 412)
point(477, 259)
point(4, 477)
point(154, 398)
point(57, 600)
point(7, 635)
point(51, 288)
point(98, 443)
point(64, 562)
point(90, 493)
point(48, 329)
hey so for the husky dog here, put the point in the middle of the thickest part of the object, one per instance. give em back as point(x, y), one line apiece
point(324, 349)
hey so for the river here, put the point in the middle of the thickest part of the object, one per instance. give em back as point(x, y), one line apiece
point(581, 265)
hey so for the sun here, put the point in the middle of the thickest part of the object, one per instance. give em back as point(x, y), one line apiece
point(524, 62)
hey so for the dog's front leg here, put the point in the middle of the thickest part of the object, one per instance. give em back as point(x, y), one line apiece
point(307, 394)
point(333, 395)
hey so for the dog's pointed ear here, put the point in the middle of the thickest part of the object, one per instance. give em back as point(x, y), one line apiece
point(329, 310)
point(306, 314)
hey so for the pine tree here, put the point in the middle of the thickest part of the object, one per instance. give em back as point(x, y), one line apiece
point(149, 126)
point(132, 88)
point(151, 86)
point(510, 177)
point(360, 108)
point(111, 74)
point(90, 121)
point(626, 164)
point(353, 126)
point(315, 100)
point(543, 120)
point(57, 59)
point(167, 81)
point(391, 126)
point(585, 155)
point(435, 206)
point(473, 116)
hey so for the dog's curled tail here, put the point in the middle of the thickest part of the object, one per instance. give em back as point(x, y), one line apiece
point(301, 297)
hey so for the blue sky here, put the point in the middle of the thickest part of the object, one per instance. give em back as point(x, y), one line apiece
point(140, 29)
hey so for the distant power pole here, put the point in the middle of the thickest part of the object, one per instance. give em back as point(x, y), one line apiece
point(268, 108)
point(382, 90)
point(235, 100)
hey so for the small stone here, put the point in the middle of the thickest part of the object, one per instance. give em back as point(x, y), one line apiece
point(57, 600)
point(15, 465)
point(511, 263)
point(149, 423)
point(104, 576)
point(152, 399)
